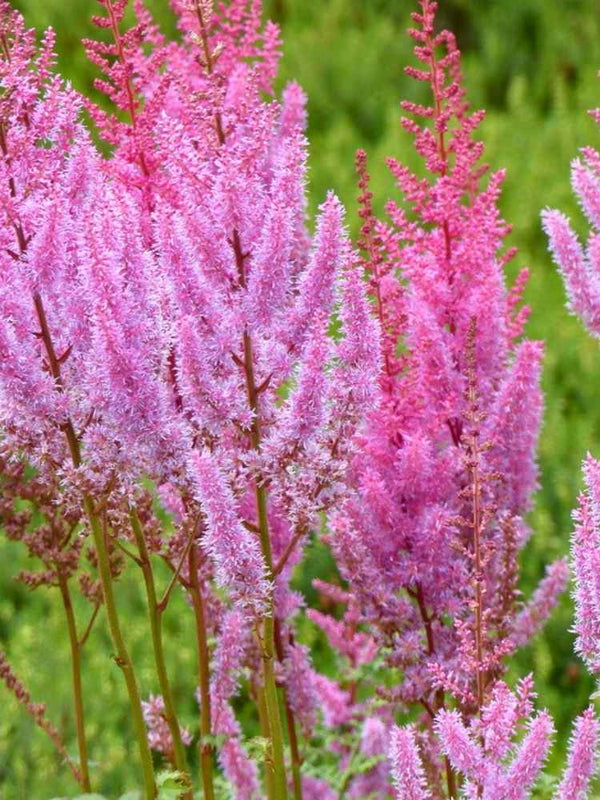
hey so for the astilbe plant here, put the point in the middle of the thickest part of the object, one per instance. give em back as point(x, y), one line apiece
point(428, 542)
point(166, 350)
point(164, 317)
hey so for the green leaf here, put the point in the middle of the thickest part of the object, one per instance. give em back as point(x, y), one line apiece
point(171, 785)
point(257, 747)
point(214, 740)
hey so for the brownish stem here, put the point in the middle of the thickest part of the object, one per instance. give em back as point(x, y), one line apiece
point(418, 594)
point(450, 779)
point(131, 103)
point(477, 552)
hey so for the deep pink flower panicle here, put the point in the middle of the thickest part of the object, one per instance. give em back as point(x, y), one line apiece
point(452, 372)
point(306, 408)
point(316, 284)
point(374, 743)
point(334, 702)
point(24, 385)
point(465, 754)
point(317, 789)
point(301, 692)
point(513, 426)
point(293, 118)
point(360, 349)
point(528, 761)
point(484, 752)
point(273, 258)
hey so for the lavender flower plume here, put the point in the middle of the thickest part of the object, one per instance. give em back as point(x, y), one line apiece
point(578, 269)
point(582, 762)
point(484, 751)
point(159, 735)
point(234, 549)
point(585, 556)
point(228, 664)
point(407, 770)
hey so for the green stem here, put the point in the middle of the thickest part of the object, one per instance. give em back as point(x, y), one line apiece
point(291, 724)
point(265, 732)
point(122, 655)
point(155, 614)
point(77, 688)
point(268, 655)
point(206, 749)
point(349, 772)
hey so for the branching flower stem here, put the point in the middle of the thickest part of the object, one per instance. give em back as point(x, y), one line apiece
point(155, 612)
point(122, 657)
point(76, 645)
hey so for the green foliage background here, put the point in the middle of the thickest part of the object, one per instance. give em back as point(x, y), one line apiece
point(533, 65)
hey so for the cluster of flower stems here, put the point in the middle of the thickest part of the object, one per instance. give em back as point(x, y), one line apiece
point(194, 375)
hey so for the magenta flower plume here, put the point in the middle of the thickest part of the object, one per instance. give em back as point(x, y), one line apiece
point(407, 770)
point(529, 759)
point(513, 426)
point(374, 743)
point(582, 763)
point(466, 755)
point(316, 284)
point(301, 691)
point(317, 789)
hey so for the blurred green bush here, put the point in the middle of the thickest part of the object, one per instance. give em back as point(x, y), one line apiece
point(533, 65)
